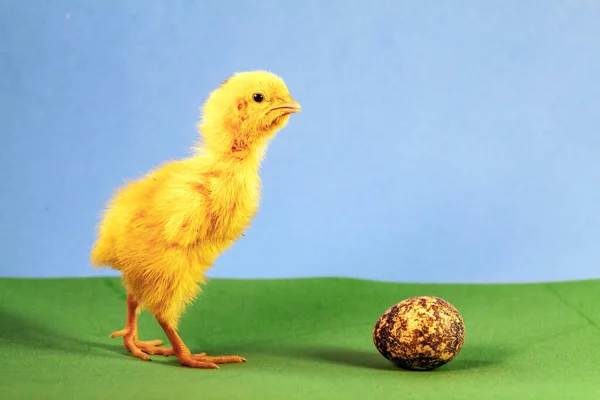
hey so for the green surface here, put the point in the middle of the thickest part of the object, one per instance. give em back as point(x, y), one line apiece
point(304, 339)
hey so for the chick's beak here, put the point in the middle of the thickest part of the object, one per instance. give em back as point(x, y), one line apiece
point(290, 107)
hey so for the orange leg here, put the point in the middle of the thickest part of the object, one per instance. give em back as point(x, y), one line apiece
point(195, 360)
point(139, 348)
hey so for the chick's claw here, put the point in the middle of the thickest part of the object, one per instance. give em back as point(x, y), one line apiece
point(136, 351)
point(119, 333)
point(208, 362)
point(156, 342)
point(141, 348)
point(192, 363)
point(149, 348)
point(218, 359)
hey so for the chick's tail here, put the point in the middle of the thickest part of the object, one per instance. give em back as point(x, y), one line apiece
point(102, 254)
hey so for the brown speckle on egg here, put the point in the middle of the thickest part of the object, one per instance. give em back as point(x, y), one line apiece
point(420, 333)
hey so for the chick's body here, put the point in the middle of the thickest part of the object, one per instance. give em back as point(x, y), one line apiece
point(165, 230)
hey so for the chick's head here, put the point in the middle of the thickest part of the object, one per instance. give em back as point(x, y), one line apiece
point(247, 108)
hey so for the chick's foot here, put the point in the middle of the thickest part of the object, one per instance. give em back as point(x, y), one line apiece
point(195, 360)
point(142, 348)
point(139, 348)
point(218, 359)
point(203, 361)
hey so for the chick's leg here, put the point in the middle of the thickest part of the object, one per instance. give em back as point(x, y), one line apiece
point(194, 360)
point(139, 348)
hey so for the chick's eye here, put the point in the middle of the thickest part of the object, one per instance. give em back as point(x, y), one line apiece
point(257, 97)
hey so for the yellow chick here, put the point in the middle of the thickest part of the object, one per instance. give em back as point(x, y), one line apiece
point(165, 230)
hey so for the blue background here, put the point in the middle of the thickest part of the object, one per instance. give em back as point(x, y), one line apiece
point(448, 141)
